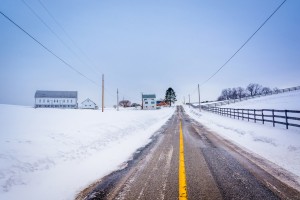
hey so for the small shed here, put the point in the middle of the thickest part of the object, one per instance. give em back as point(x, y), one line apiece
point(88, 104)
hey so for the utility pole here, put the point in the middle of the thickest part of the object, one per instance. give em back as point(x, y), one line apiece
point(117, 99)
point(142, 102)
point(199, 98)
point(102, 92)
point(189, 100)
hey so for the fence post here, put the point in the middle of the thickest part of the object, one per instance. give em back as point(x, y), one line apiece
point(230, 112)
point(286, 120)
point(248, 115)
point(273, 118)
point(242, 114)
point(254, 116)
point(262, 116)
point(238, 110)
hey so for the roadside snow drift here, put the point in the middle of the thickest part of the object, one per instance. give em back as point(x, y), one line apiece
point(54, 153)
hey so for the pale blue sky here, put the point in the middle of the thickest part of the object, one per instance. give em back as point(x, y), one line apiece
point(147, 46)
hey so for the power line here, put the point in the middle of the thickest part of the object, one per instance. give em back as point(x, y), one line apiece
point(47, 49)
point(53, 32)
point(244, 43)
point(66, 33)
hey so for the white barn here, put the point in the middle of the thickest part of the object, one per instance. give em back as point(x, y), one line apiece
point(88, 104)
point(149, 101)
point(56, 99)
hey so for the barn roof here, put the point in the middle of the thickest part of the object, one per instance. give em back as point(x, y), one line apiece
point(55, 94)
point(148, 96)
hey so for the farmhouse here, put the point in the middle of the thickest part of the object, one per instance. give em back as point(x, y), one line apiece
point(88, 104)
point(149, 101)
point(56, 99)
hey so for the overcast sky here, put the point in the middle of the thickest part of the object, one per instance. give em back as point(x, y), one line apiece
point(146, 46)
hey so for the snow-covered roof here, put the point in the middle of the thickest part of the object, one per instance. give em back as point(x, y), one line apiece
point(55, 94)
point(148, 96)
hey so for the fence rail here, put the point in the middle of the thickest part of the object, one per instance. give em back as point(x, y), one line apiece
point(283, 117)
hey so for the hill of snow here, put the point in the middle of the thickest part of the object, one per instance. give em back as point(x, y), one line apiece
point(54, 153)
point(282, 101)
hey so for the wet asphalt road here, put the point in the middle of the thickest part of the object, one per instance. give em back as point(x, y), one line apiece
point(213, 170)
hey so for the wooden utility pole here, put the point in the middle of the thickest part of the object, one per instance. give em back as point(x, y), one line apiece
point(189, 101)
point(199, 98)
point(142, 102)
point(102, 92)
point(117, 99)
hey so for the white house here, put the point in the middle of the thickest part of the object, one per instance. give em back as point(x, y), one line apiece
point(88, 104)
point(56, 99)
point(149, 101)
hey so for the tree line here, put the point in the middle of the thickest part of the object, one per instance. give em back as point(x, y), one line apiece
point(252, 89)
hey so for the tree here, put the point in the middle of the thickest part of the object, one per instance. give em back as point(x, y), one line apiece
point(240, 92)
point(170, 96)
point(266, 90)
point(125, 103)
point(276, 90)
point(254, 89)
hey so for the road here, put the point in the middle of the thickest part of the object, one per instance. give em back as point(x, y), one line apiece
point(197, 165)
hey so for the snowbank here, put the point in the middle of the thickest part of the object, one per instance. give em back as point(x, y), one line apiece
point(54, 153)
point(278, 145)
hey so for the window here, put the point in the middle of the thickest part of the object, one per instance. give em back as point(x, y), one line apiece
point(146, 102)
point(43, 100)
point(40, 100)
point(152, 102)
point(48, 101)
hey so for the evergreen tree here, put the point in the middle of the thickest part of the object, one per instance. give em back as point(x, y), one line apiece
point(170, 96)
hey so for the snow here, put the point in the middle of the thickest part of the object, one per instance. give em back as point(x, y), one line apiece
point(283, 101)
point(278, 145)
point(54, 153)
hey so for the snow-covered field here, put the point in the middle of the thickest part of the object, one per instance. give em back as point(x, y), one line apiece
point(276, 144)
point(54, 153)
point(283, 101)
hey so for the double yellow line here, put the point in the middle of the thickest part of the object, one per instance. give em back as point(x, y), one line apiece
point(182, 177)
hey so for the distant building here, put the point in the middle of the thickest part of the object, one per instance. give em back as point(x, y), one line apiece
point(88, 104)
point(162, 103)
point(56, 99)
point(149, 101)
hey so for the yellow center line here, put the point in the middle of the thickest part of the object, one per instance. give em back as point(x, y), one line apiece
point(182, 177)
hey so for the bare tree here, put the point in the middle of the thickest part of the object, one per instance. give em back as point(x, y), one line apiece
point(276, 90)
point(125, 103)
point(266, 90)
point(254, 89)
point(240, 92)
point(225, 94)
point(233, 94)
